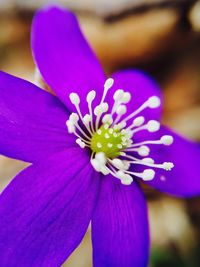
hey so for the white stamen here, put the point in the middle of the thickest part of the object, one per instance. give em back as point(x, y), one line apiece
point(121, 110)
point(118, 163)
point(154, 102)
point(153, 126)
point(138, 121)
point(100, 156)
point(96, 165)
point(164, 140)
point(118, 95)
point(84, 127)
point(150, 103)
point(167, 140)
point(143, 151)
point(70, 126)
point(74, 99)
point(148, 175)
point(168, 166)
point(80, 143)
point(74, 118)
point(126, 97)
point(107, 118)
point(109, 83)
point(87, 119)
point(126, 179)
point(91, 96)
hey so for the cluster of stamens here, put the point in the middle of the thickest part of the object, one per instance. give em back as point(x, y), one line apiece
point(110, 138)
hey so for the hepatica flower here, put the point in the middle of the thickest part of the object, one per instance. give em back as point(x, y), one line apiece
point(90, 147)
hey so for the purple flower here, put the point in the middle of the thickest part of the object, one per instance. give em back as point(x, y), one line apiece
point(89, 169)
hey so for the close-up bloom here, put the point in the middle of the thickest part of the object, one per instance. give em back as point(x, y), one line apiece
point(90, 143)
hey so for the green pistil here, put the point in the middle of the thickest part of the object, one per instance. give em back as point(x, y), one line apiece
point(108, 140)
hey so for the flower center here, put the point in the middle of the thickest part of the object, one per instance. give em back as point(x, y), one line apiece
point(109, 140)
point(109, 135)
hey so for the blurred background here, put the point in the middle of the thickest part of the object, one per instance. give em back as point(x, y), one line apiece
point(161, 37)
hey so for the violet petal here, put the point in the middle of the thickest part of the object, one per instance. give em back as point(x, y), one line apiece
point(120, 226)
point(46, 209)
point(183, 180)
point(32, 121)
point(63, 56)
point(141, 87)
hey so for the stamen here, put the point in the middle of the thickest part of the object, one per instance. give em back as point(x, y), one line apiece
point(111, 142)
point(90, 97)
point(108, 84)
point(166, 140)
point(152, 102)
point(151, 126)
point(142, 150)
point(80, 143)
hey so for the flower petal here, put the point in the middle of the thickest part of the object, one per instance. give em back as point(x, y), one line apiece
point(32, 121)
point(63, 56)
point(46, 209)
point(183, 180)
point(141, 88)
point(120, 226)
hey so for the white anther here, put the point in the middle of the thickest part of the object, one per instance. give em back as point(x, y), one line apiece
point(120, 125)
point(148, 175)
point(110, 145)
point(74, 98)
point(148, 160)
point(126, 165)
point(126, 97)
point(74, 118)
point(168, 166)
point(118, 95)
point(153, 126)
point(80, 143)
point(96, 165)
point(87, 119)
point(99, 132)
point(138, 121)
point(98, 110)
point(104, 107)
point(91, 96)
point(99, 145)
point(127, 180)
point(105, 170)
point(106, 126)
point(119, 146)
point(111, 131)
point(167, 140)
point(70, 126)
point(118, 163)
point(107, 118)
point(121, 110)
point(115, 135)
point(143, 151)
point(154, 102)
point(120, 174)
point(109, 83)
point(100, 156)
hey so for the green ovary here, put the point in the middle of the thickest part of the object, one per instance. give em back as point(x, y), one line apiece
point(109, 141)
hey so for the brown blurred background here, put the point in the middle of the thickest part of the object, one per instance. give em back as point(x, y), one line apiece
point(161, 37)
